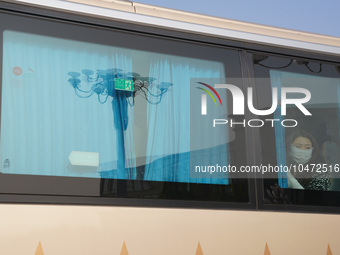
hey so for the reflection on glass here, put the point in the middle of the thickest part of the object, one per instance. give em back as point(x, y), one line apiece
point(140, 134)
point(311, 149)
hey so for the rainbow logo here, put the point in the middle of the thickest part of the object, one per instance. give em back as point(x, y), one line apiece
point(209, 93)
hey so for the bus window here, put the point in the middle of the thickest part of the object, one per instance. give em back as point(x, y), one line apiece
point(118, 110)
point(305, 139)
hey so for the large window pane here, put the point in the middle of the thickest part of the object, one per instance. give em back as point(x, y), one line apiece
point(117, 109)
point(62, 115)
point(310, 149)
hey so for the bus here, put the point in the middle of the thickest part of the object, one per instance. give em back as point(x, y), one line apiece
point(132, 129)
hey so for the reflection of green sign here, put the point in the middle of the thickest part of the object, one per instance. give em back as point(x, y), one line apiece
point(122, 84)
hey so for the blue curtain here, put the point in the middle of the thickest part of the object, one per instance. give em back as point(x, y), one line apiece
point(280, 139)
point(43, 120)
point(169, 132)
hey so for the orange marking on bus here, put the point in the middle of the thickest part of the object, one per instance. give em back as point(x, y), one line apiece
point(39, 250)
point(329, 251)
point(266, 250)
point(124, 250)
point(199, 249)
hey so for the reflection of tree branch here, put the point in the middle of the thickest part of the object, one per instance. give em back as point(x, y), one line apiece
point(320, 68)
point(87, 96)
point(276, 195)
point(103, 84)
point(103, 102)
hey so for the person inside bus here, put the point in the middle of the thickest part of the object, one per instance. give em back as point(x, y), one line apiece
point(302, 152)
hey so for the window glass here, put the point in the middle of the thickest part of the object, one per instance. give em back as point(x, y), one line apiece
point(116, 111)
point(313, 142)
point(63, 114)
point(309, 145)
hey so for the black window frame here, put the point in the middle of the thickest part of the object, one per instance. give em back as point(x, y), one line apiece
point(305, 206)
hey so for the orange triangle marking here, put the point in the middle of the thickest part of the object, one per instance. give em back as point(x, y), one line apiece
point(199, 249)
point(39, 250)
point(124, 250)
point(329, 251)
point(266, 250)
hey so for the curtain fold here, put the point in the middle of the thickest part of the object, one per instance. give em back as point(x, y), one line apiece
point(280, 138)
point(169, 130)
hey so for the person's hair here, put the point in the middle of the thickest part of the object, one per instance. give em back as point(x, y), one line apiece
point(302, 133)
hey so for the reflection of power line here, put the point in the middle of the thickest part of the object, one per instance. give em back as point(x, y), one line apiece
point(104, 84)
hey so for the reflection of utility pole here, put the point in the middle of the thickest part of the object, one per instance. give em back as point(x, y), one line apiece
point(119, 106)
point(121, 119)
point(121, 87)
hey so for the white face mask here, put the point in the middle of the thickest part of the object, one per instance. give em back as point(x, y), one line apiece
point(300, 156)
